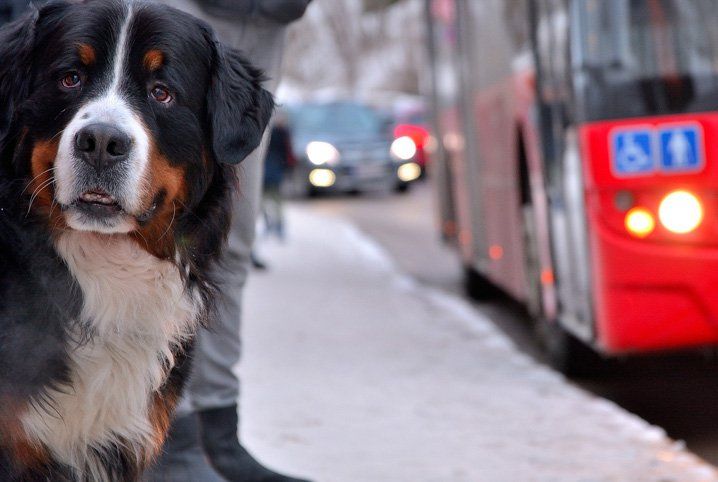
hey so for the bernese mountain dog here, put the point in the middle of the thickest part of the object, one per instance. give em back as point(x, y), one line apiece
point(119, 122)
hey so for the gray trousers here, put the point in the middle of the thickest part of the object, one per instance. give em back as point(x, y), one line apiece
point(213, 383)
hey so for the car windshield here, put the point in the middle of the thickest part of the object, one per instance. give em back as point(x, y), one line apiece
point(646, 57)
point(337, 119)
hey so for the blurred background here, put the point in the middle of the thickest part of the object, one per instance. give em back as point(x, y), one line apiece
point(540, 170)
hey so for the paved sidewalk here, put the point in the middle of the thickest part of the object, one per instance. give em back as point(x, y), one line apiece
point(354, 373)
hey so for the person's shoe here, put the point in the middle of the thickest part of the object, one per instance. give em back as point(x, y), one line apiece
point(182, 458)
point(258, 263)
point(218, 428)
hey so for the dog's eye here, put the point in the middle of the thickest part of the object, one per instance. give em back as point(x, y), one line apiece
point(161, 94)
point(71, 80)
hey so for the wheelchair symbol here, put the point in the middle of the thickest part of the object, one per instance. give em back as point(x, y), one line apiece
point(633, 152)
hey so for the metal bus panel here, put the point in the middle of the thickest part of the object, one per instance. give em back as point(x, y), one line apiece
point(495, 51)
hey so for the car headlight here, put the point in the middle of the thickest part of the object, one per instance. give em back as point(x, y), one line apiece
point(408, 172)
point(320, 153)
point(322, 178)
point(403, 148)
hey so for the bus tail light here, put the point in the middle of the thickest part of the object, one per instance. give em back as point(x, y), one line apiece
point(680, 212)
point(640, 222)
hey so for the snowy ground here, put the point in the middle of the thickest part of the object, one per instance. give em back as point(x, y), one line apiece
point(354, 373)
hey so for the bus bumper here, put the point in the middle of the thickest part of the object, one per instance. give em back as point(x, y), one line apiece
point(651, 296)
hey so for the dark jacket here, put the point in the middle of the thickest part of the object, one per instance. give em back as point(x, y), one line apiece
point(280, 11)
point(279, 157)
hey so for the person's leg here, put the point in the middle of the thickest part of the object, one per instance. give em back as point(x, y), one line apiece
point(214, 382)
point(279, 213)
point(269, 211)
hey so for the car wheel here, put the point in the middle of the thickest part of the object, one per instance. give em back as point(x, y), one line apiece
point(402, 187)
point(311, 191)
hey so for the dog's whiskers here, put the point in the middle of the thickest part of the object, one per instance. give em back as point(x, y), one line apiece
point(36, 177)
point(37, 192)
point(147, 243)
point(169, 226)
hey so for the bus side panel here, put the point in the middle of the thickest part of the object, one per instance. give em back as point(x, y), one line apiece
point(451, 158)
point(496, 206)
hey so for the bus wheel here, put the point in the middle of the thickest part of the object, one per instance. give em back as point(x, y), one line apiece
point(478, 287)
point(568, 354)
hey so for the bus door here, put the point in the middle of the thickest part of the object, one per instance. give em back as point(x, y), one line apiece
point(441, 33)
point(553, 23)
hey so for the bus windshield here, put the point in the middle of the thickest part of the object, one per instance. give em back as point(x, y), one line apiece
point(645, 57)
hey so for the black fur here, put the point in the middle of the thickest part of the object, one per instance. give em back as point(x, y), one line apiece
point(236, 84)
point(219, 115)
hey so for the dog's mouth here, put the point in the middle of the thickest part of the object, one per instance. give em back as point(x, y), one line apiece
point(99, 203)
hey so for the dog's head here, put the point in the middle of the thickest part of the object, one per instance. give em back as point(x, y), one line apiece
point(121, 117)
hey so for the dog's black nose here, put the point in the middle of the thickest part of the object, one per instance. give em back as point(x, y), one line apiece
point(102, 145)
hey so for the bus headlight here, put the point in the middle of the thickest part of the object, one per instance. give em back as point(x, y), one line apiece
point(320, 153)
point(680, 212)
point(403, 148)
point(640, 222)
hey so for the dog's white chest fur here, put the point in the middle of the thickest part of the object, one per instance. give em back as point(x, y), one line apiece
point(138, 309)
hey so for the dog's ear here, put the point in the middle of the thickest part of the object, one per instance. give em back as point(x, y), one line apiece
point(239, 109)
point(17, 41)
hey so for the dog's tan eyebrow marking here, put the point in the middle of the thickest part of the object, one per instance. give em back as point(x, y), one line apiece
point(153, 59)
point(87, 54)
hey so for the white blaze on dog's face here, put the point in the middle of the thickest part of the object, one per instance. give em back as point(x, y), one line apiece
point(103, 155)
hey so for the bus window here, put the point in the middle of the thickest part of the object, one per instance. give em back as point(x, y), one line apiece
point(550, 36)
point(643, 57)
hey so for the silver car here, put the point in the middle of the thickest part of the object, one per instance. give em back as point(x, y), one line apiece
point(346, 146)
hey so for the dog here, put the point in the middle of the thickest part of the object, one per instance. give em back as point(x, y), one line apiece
point(119, 125)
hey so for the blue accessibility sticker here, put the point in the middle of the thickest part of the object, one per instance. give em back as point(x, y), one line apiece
point(681, 148)
point(633, 151)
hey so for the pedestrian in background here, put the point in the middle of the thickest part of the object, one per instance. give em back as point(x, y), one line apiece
point(205, 428)
point(279, 160)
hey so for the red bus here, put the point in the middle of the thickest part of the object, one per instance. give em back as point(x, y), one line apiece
point(577, 165)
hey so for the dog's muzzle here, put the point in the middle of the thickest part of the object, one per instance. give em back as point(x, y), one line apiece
point(101, 167)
